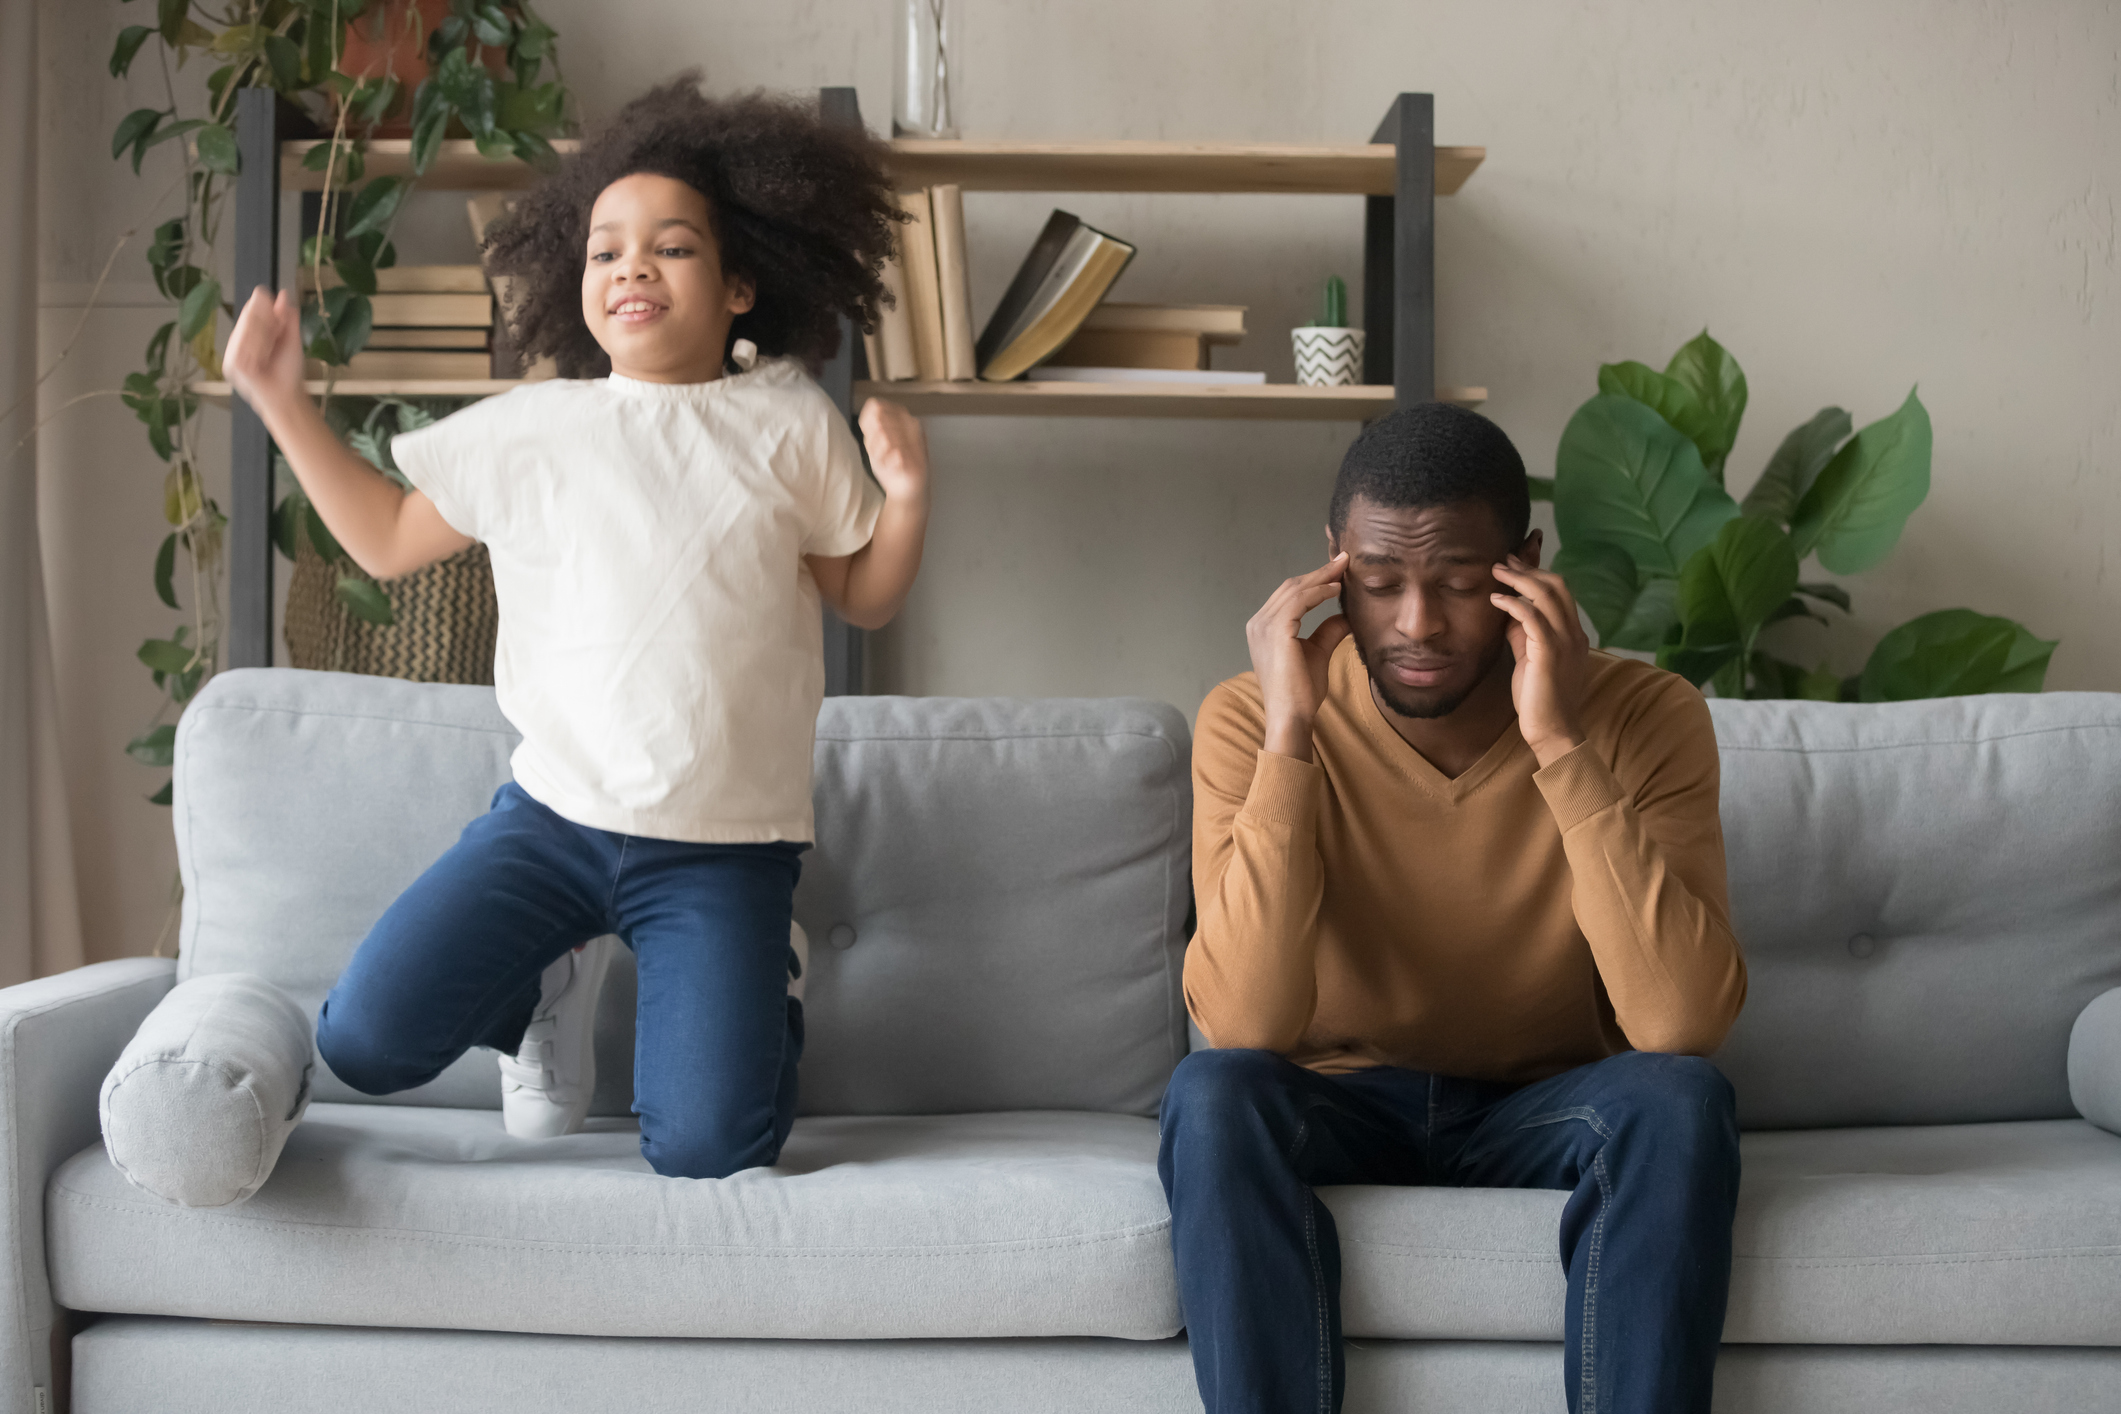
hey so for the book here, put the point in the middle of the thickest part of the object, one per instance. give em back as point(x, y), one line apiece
point(1132, 348)
point(1068, 270)
point(917, 247)
point(414, 364)
point(1120, 335)
point(413, 279)
point(386, 337)
point(1215, 323)
point(1056, 373)
point(426, 311)
point(894, 328)
point(947, 204)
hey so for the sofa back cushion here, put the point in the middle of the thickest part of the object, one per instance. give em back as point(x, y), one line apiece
point(996, 902)
point(1928, 893)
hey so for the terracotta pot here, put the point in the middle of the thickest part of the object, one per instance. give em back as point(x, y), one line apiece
point(391, 38)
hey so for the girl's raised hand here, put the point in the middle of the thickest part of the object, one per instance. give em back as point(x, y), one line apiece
point(263, 360)
point(898, 449)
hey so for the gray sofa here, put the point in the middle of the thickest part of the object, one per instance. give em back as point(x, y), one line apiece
point(967, 1216)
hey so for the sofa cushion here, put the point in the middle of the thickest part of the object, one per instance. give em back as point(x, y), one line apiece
point(1928, 894)
point(1032, 1223)
point(996, 902)
point(1984, 1234)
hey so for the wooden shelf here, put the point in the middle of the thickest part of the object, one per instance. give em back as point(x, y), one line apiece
point(1361, 169)
point(1288, 401)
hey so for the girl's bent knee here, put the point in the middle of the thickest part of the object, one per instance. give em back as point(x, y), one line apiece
point(365, 1061)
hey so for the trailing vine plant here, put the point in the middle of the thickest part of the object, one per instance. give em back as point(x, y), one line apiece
point(486, 63)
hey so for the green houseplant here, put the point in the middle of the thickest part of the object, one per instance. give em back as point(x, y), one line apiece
point(482, 73)
point(1664, 560)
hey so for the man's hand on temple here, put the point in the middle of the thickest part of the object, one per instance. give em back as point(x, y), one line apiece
point(1291, 668)
point(1553, 658)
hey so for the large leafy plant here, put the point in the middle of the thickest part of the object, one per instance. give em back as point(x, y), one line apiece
point(1664, 560)
point(485, 60)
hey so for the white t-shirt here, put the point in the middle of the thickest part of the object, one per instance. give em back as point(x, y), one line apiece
point(660, 645)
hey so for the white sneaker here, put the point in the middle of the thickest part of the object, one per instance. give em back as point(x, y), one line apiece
point(799, 958)
point(546, 1084)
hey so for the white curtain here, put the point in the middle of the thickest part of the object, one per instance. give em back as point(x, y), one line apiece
point(40, 925)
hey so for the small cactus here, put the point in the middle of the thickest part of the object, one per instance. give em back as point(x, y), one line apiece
point(1333, 309)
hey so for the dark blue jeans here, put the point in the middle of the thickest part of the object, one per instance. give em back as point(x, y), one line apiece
point(456, 961)
point(1646, 1145)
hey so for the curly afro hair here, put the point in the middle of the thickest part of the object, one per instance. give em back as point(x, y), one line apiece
point(801, 210)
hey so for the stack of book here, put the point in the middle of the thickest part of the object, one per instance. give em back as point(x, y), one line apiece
point(926, 332)
point(431, 322)
point(1149, 343)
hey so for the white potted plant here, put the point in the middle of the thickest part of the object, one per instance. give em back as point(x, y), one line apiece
point(1328, 352)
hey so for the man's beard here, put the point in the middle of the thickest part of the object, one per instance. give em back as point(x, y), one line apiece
point(1407, 703)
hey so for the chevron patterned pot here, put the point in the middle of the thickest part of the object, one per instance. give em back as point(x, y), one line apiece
point(1326, 357)
point(447, 620)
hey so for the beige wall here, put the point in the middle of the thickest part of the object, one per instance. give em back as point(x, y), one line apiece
point(1853, 197)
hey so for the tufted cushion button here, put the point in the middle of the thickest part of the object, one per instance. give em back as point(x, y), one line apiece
point(1862, 945)
point(841, 936)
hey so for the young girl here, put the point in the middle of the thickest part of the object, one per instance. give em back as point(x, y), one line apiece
point(662, 521)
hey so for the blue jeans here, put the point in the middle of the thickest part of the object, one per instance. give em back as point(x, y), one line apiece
point(456, 962)
point(1646, 1145)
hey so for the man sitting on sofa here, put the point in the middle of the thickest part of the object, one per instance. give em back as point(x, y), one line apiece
point(1462, 921)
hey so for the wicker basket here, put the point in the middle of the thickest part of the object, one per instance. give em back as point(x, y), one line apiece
point(447, 618)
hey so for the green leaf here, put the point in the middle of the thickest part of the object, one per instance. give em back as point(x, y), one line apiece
point(469, 89)
point(287, 524)
point(374, 206)
point(366, 601)
point(158, 348)
point(129, 41)
point(1955, 653)
point(1709, 372)
point(1795, 466)
point(1624, 477)
point(156, 748)
point(168, 246)
point(181, 281)
point(162, 796)
point(132, 131)
point(1697, 665)
point(1628, 612)
point(320, 537)
point(535, 41)
point(170, 16)
point(358, 275)
point(199, 306)
point(1731, 585)
point(162, 135)
point(496, 146)
point(217, 149)
point(166, 572)
point(1669, 398)
point(1822, 684)
point(166, 655)
point(366, 445)
point(1794, 607)
point(376, 104)
point(1774, 677)
point(1829, 594)
point(1854, 513)
point(285, 61)
point(430, 121)
point(493, 26)
point(1541, 487)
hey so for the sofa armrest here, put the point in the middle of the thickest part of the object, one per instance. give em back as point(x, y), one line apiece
point(2095, 1061)
point(59, 1036)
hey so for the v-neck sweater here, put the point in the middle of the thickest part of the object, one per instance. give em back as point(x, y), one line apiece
point(1364, 909)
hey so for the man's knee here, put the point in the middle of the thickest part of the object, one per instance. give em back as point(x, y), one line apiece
point(1222, 1092)
point(1685, 1099)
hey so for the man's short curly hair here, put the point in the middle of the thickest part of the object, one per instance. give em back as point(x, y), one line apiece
point(801, 209)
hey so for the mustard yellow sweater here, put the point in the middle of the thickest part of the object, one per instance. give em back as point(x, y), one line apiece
point(1361, 909)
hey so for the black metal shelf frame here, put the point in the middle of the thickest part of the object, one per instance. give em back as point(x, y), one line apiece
point(1399, 314)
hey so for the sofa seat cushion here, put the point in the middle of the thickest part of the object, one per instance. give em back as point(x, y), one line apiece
point(1977, 1234)
point(1022, 1224)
